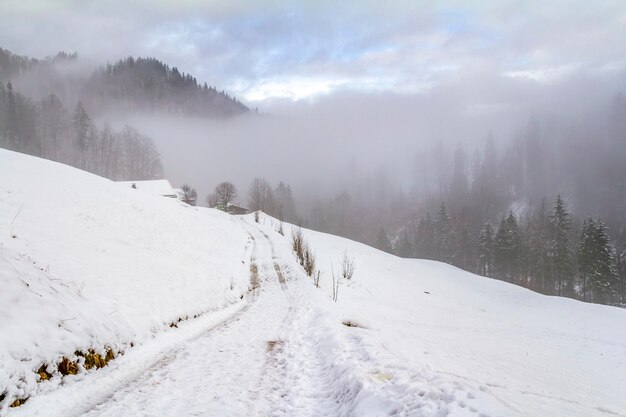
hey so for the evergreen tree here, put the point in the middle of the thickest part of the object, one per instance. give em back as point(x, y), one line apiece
point(621, 264)
point(51, 121)
point(459, 187)
point(463, 254)
point(596, 263)
point(560, 250)
point(486, 251)
point(443, 235)
point(538, 250)
point(425, 239)
point(508, 249)
point(382, 241)
point(82, 126)
point(404, 248)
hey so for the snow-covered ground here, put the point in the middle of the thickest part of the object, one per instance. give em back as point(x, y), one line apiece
point(85, 264)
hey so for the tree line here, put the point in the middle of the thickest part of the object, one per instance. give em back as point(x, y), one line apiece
point(545, 209)
point(46, 129)
point(137, 84)
point(276, 201)
point(547, 250)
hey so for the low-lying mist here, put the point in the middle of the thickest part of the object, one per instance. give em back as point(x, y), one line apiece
point(323, 146)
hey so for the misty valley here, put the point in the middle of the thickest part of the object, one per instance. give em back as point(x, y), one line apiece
point(313, 210)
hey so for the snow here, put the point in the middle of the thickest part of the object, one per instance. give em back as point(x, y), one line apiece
point(161, 188)
point(87, 264)
point(483, 344)
point(107, 266)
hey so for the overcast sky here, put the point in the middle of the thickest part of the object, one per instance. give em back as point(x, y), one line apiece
point(370, 82)
point(268, 50)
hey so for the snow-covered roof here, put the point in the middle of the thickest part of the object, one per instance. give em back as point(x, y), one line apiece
point(154, 187)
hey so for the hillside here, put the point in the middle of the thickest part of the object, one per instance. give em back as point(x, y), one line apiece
point(130, 84)
point(215, 317)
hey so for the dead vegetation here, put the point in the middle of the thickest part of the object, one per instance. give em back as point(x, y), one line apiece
point(274, 345)
point(335, 293)
point(66, 366)
point(44, 375)
point(347, 266)
point(254, 277)
point(303, 251)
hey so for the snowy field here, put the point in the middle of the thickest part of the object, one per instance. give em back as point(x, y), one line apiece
point(85, 264)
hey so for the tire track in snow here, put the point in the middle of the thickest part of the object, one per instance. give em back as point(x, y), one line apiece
point(92, 390)
point(297, 376)
point(223, 372)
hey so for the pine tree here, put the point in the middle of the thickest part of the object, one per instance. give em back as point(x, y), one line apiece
point(508, 249)
point(538, 250)
point(621, 264)
point(425, 240)
point(596, 263)
point(459, 187)
point(82, 126)
point(382, 241)
point(560, 250)
point(463, 254)
point(404, 248)
point(443, 235)
point(485, 251)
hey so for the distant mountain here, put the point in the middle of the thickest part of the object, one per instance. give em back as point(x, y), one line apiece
point(147, 83)
point(135, 84)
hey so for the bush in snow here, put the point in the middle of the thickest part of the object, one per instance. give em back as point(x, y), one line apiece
point(347, 265)
point(303, 252)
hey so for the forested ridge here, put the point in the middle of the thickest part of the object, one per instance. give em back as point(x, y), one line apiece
point(48, 108)
point(137, 84)
point(545, 209)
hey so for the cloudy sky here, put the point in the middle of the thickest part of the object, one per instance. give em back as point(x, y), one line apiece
point(268, 50)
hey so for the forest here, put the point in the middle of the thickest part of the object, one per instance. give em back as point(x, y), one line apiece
point(545, 210)
point(47, 129)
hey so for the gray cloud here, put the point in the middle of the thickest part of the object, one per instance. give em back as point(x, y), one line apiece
point(260, 50)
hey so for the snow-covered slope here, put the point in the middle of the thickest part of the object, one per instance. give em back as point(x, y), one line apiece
point(86, 264)
point(473, 345)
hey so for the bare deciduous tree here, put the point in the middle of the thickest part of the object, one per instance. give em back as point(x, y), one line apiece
point(225, 192)
point(212, 200)
point(261, 196)
point(189, 195)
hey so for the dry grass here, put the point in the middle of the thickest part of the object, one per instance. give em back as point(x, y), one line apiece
point(254, 277)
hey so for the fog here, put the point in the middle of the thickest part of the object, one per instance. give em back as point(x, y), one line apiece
point(320, 145)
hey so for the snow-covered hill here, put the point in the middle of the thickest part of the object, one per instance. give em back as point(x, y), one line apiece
point(85, 264)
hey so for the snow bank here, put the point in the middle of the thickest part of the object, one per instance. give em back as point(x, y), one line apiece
point(87, 264)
